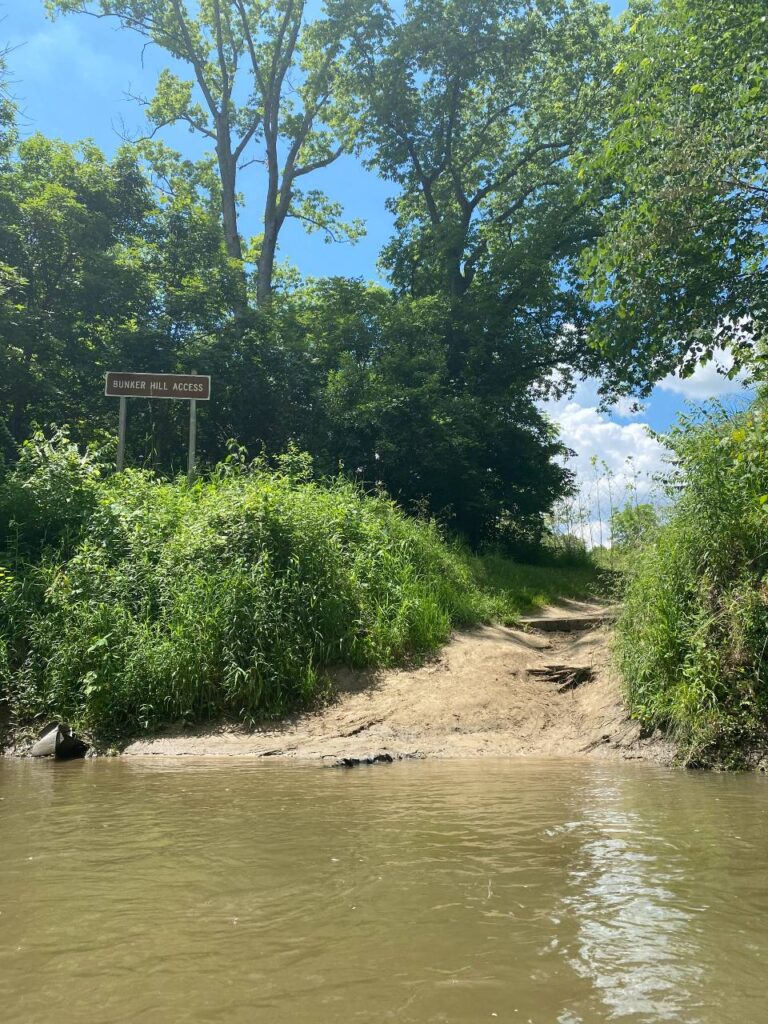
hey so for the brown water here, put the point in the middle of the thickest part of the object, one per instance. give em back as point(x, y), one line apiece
point(555, 893)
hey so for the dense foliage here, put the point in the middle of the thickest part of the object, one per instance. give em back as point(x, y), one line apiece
point(101, 274)
point(572, 195)
point(97, 274)
point(633, 526)
point(521, 151)
point(128, 601)
point(103, 270)
point(264, 78)
point(131, 601)
point(681, 264)
point(475, 110)
point(692, 635)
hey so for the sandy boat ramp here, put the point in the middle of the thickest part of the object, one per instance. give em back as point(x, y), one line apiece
point(544, 689)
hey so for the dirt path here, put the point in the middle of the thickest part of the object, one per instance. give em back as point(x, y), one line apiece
point(491, 692)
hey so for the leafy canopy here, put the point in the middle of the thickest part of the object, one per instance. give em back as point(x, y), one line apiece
point(474, 109)
point(266, 85)
point(681, 267)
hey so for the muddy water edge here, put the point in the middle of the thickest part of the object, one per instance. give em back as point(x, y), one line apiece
point(565, 891)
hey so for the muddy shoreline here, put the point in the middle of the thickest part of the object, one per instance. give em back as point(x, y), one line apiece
point(490, 692)
point(546, 689)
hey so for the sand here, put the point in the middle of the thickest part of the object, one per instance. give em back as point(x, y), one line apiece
point(490, 692)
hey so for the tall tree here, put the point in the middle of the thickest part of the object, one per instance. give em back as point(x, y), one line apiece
point(96, 272)
point(474, 109)
point(7, 109)
point(8, 274)
point(681, 268)
point(384, 402)
point(266, 87)
point(61, 214)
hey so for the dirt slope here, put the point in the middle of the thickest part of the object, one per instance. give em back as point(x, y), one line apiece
point(491, 692)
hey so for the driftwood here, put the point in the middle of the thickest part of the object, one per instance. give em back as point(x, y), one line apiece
point(567, 677)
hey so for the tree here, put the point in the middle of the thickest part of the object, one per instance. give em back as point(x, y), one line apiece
point(8, 275)
point(633, 526)
point(680, 267)
point(429, 389)
point(7, 108)
point(474, 109)
point(61, 212)
point(385, 404)
point(262, 76)
point(104, 265)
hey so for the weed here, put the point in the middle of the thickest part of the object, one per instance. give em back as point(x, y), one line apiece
point(693, 634)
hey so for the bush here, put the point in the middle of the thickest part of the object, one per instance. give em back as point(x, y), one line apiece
point(633, 527)
point(48, 496)
point(693, 634)
point(138, 601)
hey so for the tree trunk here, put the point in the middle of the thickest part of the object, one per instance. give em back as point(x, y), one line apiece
point(267, 259)
point(227, 172)
point(272, 221)
point(457, 281)
point(232, 241)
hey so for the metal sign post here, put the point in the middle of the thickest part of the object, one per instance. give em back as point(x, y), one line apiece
point(189, 387)
point(121, 434)
point(192, 440)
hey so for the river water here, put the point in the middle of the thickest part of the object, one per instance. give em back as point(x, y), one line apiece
point(451, 892)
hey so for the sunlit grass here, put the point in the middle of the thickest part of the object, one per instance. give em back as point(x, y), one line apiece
point(514, 589)
point(128, 601)
point(692, 638)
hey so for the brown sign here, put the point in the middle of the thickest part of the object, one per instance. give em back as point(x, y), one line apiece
point(158, 385)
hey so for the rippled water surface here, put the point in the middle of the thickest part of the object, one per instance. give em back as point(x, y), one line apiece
point(554, 893)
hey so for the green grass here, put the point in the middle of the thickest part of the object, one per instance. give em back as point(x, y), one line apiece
point(227, 600)
point(129, 601)
point(513, 589)
point(692, 637)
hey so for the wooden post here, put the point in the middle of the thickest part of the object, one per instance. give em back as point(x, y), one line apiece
point(192, 440)
point(121, 434)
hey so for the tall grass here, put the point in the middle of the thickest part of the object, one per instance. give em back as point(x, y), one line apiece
point(693, 634)
point(129, 601)
point(513, 589)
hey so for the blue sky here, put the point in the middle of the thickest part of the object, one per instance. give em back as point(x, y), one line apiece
point(70, 78)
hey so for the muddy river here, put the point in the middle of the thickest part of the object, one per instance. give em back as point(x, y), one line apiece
point(455, 892)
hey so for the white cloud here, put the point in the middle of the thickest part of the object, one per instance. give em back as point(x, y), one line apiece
point(628, 451)
point(707, 381)
point(626, 448)
point(628, 459)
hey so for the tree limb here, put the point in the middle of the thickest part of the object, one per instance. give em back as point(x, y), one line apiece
point(194, 59)
point(317, 164)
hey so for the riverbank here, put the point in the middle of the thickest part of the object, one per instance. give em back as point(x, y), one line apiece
point(493, 691)
point(129, 601)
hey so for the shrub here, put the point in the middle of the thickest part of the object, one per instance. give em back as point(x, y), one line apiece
point(152, 602)
point(693, 633)
point(48, 496)
point(633, 526)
